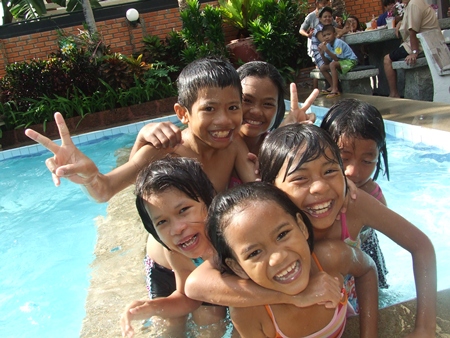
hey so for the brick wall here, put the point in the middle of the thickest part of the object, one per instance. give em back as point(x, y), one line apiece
point(126, 39)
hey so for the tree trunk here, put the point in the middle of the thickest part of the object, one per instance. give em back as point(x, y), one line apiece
point(89, 17)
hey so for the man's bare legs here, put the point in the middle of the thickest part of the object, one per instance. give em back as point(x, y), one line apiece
point(391, 76)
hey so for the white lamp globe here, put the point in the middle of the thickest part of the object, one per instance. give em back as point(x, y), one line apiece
point(132, 15)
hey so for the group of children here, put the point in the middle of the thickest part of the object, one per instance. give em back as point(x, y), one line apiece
point(284, 246)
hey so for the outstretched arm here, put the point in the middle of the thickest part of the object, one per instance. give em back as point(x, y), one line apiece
point(69, 162)
point(207, 284)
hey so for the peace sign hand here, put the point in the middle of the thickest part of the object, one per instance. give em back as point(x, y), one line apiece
point(68, 161)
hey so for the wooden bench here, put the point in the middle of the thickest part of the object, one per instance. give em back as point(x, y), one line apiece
point(356, 81)
point(438, 57)
point(417, 79)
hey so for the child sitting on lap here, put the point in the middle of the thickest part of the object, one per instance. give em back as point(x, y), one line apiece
point(338, 57)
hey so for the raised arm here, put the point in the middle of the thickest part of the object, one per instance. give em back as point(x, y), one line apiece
point(207, 284)
point(69, 162)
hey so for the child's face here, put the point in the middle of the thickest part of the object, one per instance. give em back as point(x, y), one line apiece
point(352, 24)
point(317, 188)
point(329, 36)
point(215, 117)
point(179, 222)
point(360, 157)
point(259, 105)
point(270, 247)
point(326, 18)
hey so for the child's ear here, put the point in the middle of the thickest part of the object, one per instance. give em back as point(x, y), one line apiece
point(302, 226)
point(182, 113)
point(237, 269)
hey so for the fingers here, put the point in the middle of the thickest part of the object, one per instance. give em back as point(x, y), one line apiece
point(52, 166)
point(294, 95)
point(41, 139)
point(310, 100)
point(63, 130)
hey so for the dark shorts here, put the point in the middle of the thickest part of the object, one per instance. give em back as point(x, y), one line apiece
point(398, 54)
point(160, 280)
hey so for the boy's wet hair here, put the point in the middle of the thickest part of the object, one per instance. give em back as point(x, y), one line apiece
point(357, 119)
point(262, 70)
point(205, 73)
point(228, 203)
point(285, 143)
point(328, 28)
point(181, 173)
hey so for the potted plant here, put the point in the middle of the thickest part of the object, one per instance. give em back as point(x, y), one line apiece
point(239, 14)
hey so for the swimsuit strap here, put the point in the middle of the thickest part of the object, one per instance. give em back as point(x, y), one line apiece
point(377, 193)
point(344, 230)
point(278, 334)
point(197, 261)
point(313, 255)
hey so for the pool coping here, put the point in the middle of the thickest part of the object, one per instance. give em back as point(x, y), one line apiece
point(413, 133)
point(132, 128)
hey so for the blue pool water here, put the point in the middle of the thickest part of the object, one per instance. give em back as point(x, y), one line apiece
point(47, 242)
point(48, 234)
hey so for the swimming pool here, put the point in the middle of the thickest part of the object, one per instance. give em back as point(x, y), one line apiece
point(45, 272)
point(48, 238)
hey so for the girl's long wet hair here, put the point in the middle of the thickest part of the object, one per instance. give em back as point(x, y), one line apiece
point(286, 142)
point(262, 69)
point(228, 203)
point(183, 174)
point(357, 119)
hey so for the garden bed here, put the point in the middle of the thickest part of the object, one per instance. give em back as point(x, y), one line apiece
point(97, 121)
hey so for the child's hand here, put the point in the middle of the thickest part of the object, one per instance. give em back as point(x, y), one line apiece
point(351, 195)
point(297, 114)
point(139, 309)
point(322, 289)
point(160, 135)
point(68, 161)
point(254, 159)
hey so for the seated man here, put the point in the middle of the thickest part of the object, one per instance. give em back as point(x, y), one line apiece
point(418, 17)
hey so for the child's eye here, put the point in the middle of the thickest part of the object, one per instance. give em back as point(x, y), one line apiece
point(208, 108)
point(282, 235)
point(182, 210)
point(160, 222)
point(253, 254)
point(245, 100)
point(234, 108)
point(330, 171)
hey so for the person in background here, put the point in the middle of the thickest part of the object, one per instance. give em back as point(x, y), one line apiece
point(307, 29)
point(387, 5)
point(418, 17)
point(337, 56)
point(352, 24)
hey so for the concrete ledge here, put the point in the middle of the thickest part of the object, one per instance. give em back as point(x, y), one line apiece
point(421, 62)
point(356, 81)
point(398, 320)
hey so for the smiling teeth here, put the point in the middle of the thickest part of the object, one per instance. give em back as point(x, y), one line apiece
point(253, 122)
point(189, 242)
point(320, 208)
point(220, 134)
point(282, 275)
